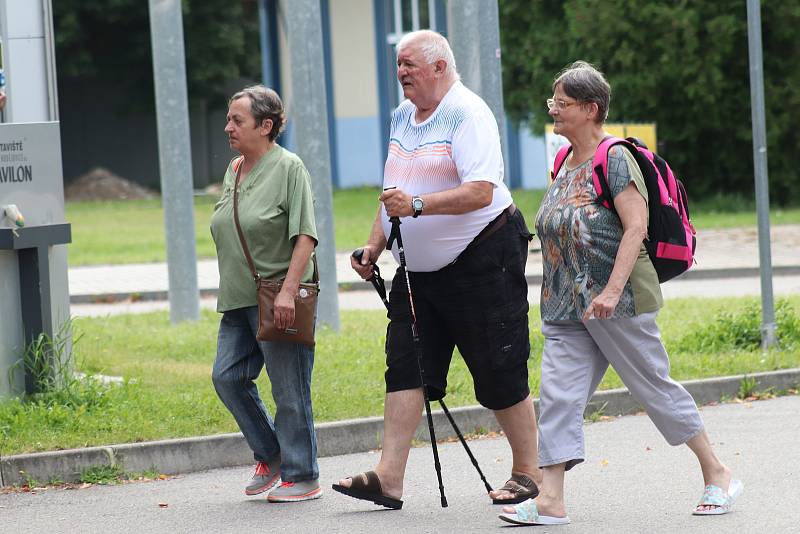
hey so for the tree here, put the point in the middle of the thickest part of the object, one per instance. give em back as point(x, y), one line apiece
point(110, 41)
point(682, 64)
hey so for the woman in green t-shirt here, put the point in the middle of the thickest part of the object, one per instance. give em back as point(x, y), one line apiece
point(276, 214)
point(600, 297)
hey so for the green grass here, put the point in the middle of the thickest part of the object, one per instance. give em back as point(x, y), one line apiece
point(168, 391)
point(129, 231)
point(132, 231)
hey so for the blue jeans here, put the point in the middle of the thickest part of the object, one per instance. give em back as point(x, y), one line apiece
point(240, 358)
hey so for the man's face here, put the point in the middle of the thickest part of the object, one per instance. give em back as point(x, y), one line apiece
point(415, 74)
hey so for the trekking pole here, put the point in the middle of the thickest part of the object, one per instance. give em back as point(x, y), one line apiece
point(466, 447)
point(395, 236)
point(380, 288)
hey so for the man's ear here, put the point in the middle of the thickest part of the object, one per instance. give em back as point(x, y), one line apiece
point(440, 66)
point(266, 126)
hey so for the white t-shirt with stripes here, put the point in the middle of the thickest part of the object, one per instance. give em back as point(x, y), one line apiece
point(458, 143)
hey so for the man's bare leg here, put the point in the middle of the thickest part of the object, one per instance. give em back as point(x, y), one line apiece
point(519, 424)
point(401, 415)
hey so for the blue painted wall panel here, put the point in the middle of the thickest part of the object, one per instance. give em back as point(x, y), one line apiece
point(360, 157)
point(532, 159)
point(359, 152)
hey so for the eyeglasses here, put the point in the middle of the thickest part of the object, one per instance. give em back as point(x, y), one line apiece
point(560, 105)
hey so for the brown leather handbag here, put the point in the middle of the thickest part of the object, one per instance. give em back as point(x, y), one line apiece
point(305, 301)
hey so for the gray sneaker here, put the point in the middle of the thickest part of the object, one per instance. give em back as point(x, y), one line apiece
point(265, 477)
point(296, 491)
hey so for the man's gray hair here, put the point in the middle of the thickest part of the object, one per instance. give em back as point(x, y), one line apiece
point(585, 83)
point(434, 47)
point(264, 104)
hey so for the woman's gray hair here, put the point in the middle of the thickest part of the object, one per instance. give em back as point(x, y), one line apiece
point(264, 104)
point(434, 47)
point(585, 83)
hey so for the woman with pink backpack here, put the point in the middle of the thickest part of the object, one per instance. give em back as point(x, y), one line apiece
point(600, 297)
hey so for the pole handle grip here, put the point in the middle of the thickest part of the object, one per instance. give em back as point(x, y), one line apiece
point(358, 254)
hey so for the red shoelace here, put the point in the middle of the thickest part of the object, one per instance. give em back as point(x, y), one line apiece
point(262, 469)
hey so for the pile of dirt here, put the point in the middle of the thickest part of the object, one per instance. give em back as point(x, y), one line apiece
point(102, 184)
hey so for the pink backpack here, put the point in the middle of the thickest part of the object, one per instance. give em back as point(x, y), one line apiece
point(671, 237)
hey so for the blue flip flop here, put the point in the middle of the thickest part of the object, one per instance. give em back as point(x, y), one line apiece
point(526, 513)
point(719, 498)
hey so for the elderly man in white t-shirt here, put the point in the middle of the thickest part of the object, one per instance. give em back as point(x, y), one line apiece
point(465, 247)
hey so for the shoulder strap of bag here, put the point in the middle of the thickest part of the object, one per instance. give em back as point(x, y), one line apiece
point(256, 277)
point(600, 171)
point(561, 155)
point(238, 166)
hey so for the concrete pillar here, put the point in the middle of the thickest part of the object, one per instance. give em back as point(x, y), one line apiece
point(473, 29)
point(308, 111)
point(175, 157)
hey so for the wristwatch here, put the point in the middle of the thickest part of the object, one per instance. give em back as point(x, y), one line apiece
point(417, 205)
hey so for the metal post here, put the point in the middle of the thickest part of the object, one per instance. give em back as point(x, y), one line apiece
point(174, 154)
point(474, 35)
point(50, 59)
point(308, 109)
point(263, 41)
point(768, 328)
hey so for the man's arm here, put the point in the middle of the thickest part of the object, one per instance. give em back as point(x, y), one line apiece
point(465, 198)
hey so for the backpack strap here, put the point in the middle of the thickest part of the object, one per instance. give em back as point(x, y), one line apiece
point(561, 156)
point(600, 171)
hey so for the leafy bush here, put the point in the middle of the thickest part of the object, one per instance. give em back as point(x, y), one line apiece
point(669, 63)
point(741, 330)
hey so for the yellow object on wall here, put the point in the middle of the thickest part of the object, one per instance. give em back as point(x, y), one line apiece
point(644, 131)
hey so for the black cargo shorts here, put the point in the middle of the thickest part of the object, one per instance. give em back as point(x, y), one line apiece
point(479, 304)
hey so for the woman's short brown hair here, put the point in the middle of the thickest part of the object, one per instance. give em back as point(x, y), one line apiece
point(264, 104)
point(585, 83)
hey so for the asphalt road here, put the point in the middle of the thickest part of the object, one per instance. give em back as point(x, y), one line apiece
point(632, 481)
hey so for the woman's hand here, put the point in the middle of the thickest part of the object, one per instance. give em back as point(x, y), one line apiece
point(603, 305)
point(284, 301)
point(284, 309)
point(632, 210)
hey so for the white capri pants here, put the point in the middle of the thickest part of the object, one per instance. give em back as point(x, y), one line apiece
point(575, 358)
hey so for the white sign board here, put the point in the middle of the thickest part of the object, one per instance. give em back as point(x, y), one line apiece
point(30, 178)
point(30, 171)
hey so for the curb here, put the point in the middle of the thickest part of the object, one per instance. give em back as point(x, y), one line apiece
point(533, 279)
point(335, 438)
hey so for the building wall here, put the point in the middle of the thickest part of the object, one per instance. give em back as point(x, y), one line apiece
point(99, 129)
point(355, 93)
point(533, 162)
